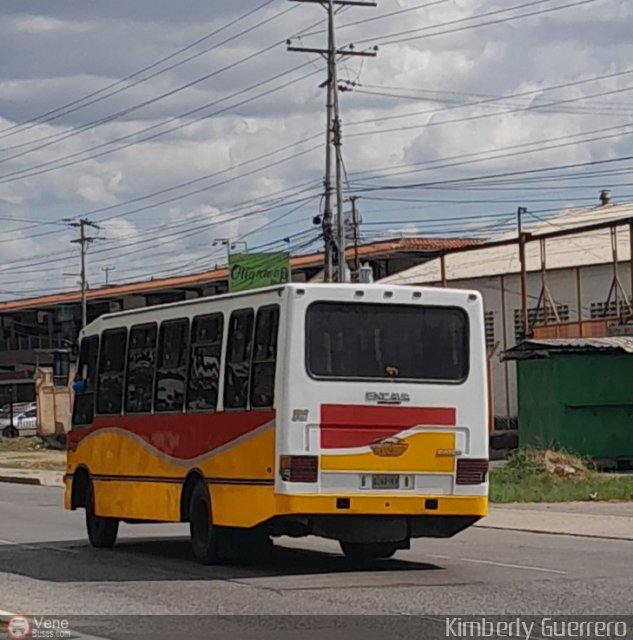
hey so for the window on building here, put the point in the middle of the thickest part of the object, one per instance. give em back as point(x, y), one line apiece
point(264, 357)
point(238, 359)
point(611, 310)
point(204, 362)
point(83, 410)
point(489, 319)
point(141, 356)
point(111, 367)
point(536, 317)
point(171, 365)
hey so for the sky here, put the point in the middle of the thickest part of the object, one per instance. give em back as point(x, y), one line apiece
point(172, 126)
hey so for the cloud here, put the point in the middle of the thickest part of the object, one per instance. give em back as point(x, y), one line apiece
point(241, 160)
point(39, 24)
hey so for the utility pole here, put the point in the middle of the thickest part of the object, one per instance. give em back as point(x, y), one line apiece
point(107, 270)
point(334, 139)
point(83, 241)
point(355, 225)
point(521, 211)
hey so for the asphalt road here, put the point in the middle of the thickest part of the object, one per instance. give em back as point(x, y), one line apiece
point(47, 567)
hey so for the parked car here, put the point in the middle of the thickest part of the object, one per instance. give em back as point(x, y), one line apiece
point(24, 421)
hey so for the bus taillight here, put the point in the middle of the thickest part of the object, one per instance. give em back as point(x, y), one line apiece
point(471, 471)
point(299, 468)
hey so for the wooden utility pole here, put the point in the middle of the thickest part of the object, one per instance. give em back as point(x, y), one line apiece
point(83, 241)
point(107, 270)
point(521, 211)
point(355, 225)
point(334, 139)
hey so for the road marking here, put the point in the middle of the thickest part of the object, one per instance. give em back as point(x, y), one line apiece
point(507, 565)
point(514, 566)
point(35, 547)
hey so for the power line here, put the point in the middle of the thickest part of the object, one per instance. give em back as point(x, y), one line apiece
point(503, 174)
point(480, 24)
point(493, 99)
point(187, 183)
point(58, 137)
point(65, 109)
point(475, 157)
point(191, 230)
point(416, 7)
point(482, 116)
point(46, 167)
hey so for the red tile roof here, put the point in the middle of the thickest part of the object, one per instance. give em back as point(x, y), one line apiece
point(374, 249)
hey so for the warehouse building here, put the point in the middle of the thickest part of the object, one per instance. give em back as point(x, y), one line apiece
point(574, 281)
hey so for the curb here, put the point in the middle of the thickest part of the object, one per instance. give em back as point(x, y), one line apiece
point(21, 480)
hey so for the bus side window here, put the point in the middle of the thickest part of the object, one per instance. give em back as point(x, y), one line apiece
point(204, 362)
point(111, 366)
point(171, 365)
point(83, 409)
point(141, 355)
point(238, 359)
point(264, 357)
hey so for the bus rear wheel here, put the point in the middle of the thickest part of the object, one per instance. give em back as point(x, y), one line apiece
point(363, 551)
point(102, 532)
point(204, 538)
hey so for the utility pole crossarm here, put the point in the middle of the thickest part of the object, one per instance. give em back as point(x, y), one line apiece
point(344, 3)
point(338, 52)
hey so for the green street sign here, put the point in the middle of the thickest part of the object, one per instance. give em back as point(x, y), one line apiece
point(255, 270)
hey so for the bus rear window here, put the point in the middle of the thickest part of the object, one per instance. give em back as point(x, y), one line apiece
point(380, 341)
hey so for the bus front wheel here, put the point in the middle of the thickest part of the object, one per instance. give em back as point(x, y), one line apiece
point(363, 551)
point(102, 532)
point(204, 539)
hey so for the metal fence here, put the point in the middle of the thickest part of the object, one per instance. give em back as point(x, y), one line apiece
point(30, 343)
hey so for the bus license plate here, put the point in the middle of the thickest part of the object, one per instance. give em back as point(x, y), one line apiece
point(385, 482)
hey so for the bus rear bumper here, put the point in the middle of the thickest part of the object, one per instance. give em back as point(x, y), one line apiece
point(386, 505)
point(377, 518)
point(229, 509)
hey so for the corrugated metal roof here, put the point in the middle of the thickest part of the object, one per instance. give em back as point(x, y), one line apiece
point(418, 244)
point(577, 250)
point(373, 249)
point(569, 345)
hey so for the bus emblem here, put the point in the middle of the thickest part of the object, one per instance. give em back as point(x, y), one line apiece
point(389, 447)
point(448, 453)
point(388, 397)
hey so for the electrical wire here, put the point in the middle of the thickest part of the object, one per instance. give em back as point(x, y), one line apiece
point(46, 167)
point(66, 109)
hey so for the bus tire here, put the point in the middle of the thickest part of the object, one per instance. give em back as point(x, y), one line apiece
point(204, 538)
point(363, 551)
point(102, 532)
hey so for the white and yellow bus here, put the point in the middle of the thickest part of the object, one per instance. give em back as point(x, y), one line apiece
point(352, 412)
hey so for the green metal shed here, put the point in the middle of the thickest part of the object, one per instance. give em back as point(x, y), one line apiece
point(576, 394)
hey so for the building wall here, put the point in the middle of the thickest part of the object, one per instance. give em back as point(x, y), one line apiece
point(503, 294)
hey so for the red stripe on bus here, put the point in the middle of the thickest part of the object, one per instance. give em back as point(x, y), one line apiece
point(344, 426)
point(182, 436)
